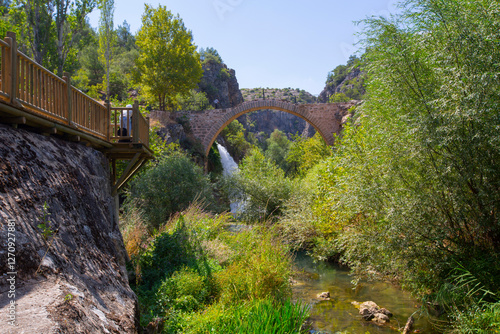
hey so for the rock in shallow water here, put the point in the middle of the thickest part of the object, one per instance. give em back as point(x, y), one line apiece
point(324, 295)
point(372, 312)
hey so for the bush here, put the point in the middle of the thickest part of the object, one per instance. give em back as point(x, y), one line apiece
point(194, 276)
point(261, 269)
point(185, 290)
point(261, 185)
point(169, 188)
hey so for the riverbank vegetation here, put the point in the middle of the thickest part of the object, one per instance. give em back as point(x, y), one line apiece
point(193, 275)
point(411, 189)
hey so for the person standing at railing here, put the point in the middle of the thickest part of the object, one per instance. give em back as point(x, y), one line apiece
point(125, 123)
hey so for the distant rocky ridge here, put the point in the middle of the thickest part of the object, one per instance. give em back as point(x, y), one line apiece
point(268, 120)
point(293, 95)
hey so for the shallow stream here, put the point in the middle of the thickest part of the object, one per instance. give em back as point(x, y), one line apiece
point(338, 315)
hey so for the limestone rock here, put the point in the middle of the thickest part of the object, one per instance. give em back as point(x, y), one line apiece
point(219, 82)
point(82, 284)
point(372, 312)
point(324, 295)
point(380, 318)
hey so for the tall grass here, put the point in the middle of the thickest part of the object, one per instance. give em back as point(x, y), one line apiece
point(266, 317)
point(258, 316)
point(196, 277)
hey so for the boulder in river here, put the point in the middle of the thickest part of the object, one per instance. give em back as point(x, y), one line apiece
point(372, 312)
point(324, 295)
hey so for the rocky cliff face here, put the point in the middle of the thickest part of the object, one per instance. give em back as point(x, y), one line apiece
point(353, 80)
point(81, 284)
point(219, 82)
point(269, 120)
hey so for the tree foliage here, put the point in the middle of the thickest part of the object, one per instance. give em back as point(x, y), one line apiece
point(169, 187)
point(414, 186)
point(50, 30)
point(262, 186)
point(234, 135)
point(277, 149)
point(106, 36)
point(168, 63)
point(305, 153)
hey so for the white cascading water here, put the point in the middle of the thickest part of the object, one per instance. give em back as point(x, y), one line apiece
point(229, 166)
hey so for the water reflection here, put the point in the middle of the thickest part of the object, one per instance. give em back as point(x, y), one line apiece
point(338, 315)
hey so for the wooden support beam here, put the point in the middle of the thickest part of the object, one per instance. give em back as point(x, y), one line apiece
point(48, 131)
point(11, 39)
point(133, 172)
point(124, 176)
point(13, 120)
point(113, 172)
point(73, 138)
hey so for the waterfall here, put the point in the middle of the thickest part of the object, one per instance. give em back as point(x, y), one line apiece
point(229, 166)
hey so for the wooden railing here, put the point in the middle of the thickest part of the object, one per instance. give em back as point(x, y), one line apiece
point(30, 87)
point(129, 125)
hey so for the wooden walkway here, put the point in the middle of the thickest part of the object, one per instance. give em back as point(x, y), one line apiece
point(37, 98)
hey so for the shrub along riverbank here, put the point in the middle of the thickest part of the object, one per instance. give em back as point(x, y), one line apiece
point(194, 276)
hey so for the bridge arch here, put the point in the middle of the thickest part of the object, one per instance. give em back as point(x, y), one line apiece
point(303, 111)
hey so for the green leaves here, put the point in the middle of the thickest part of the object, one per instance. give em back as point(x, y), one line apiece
point(168, 63)
point(414, 183)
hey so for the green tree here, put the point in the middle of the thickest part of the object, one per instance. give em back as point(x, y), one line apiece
point(90, 62)
point(106, 36)
point(277, 149)
point(168, 63)
point(234, 135)
point(210, 55)
point(50, 30)
point(261, 185)
point(339, 97)
point(194, 101)
point(125, 40)
point(305, 153)
point(169, 187)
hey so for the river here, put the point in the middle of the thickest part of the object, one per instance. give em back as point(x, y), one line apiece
point(338, 315)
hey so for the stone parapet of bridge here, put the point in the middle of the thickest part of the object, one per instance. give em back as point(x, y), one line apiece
point(326, 118)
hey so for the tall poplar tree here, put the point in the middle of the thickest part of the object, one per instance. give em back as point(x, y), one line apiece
point(168, 63)
point(106, 35)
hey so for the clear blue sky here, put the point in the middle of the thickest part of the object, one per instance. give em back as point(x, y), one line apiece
point(269, 43)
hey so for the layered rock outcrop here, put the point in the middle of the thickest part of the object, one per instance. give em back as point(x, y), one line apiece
point(69, 269)
point(219, 82)
point(345, 86)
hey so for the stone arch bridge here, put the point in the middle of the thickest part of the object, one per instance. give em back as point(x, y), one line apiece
point(326, 118)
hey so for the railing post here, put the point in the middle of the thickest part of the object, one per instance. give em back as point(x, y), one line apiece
point(11, 39)
point(135, 122)
point(147, 135)
point(108, 120)
point(69, 104)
